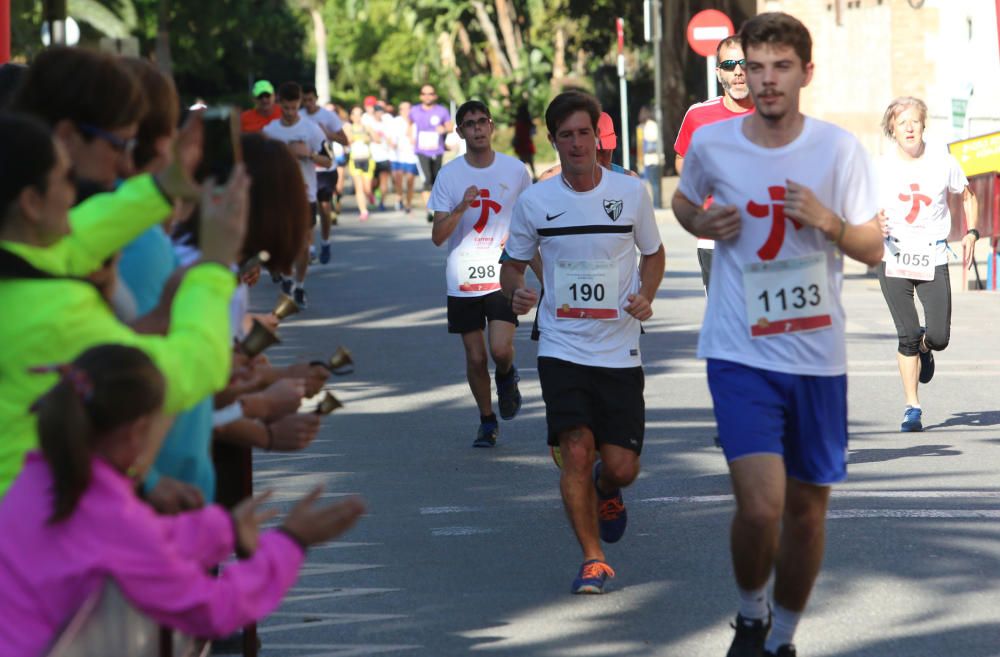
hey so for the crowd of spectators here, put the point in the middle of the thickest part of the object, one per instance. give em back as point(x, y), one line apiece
point(125, 359)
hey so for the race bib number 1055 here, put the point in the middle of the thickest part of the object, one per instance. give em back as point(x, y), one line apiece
point(787, 296)
point(912, 261)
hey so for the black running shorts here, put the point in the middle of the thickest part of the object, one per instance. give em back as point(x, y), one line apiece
point(607, 400)
point(467, 314)
point(326, 184)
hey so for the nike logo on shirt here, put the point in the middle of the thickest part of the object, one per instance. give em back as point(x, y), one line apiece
point(550, 217)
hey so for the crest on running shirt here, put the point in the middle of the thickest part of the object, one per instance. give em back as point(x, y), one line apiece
point(613, 209)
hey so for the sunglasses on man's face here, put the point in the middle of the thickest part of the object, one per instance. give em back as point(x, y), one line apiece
point(113, 140)
point(731, 64)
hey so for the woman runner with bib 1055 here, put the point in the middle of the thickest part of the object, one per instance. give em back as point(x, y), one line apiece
point(915, 184)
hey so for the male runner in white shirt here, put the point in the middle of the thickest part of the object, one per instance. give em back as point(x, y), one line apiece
point(305, 140)
point(792, 196)
point(587, 223)
point(472, 200)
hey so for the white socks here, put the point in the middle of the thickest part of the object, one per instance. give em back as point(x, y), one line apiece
point(783, 624)
point(753, 604)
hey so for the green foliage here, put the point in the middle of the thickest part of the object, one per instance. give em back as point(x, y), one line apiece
point(219, 46)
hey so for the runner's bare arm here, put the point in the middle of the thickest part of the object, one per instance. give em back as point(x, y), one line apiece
point(971, 207)
point(678, 163)
point(340, 137)
point(719, 222)
point(445, 223)
point(321, 159)
point(522, 298)
point(862, 242)
point(651, 267)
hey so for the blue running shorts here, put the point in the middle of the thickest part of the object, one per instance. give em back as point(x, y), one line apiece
point(801, 418)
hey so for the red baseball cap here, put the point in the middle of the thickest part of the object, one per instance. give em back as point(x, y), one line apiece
point(607, 138)
point(370, 100)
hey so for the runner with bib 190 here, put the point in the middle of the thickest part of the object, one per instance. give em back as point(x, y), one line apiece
point(587, 223)
point(915, 185)
point(472, 200)
point(773, 335)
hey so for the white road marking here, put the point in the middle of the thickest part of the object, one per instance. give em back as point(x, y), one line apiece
point(328, 568)
point(340, 649)
point(460, 531)
point(438, 510)
point(322, 620)
point(958, 514)
point(836, 494)
point(314, 593)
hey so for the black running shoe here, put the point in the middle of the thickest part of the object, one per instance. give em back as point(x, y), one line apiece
point(787, 650)
point(926, 366)
point(508, 395)
point(486, 435)
point(750, 636)
point(300, 298)
point(287, 284)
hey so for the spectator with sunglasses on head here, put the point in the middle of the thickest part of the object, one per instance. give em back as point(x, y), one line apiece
point(734, 101)
point(46, 249)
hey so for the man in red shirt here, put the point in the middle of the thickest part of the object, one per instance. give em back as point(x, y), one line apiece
point(264, 111)
point(734, 101)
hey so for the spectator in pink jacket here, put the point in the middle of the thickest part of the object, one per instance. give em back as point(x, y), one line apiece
point(71, 520)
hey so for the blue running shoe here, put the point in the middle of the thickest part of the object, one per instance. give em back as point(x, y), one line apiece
point(508, 395)
point(486, 436)
point(612, 516)
point(911, 420)
point(324, 253)
point(592, 576)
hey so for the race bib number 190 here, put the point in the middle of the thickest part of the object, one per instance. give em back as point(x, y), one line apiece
point(586, 289)
point(787, 296)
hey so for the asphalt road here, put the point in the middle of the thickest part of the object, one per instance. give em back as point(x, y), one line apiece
point(467, 551)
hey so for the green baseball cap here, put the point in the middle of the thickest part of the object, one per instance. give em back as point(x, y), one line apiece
point(262, 87)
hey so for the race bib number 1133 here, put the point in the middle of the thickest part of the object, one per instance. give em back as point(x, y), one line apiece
point(787, 296)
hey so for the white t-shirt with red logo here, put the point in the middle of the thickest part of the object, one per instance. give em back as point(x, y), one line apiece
point(475, 246)
point(311, 135)
point(914, 195)
point(803, 270)
point(590, 244)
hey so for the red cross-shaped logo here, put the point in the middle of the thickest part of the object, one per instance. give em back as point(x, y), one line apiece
point(486, 204)
point(917, 200)
point(777, 212)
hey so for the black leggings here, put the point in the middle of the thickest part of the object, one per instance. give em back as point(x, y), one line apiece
point(935, 296)
point(430, 167)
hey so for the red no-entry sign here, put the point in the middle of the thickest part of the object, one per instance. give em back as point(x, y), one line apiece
point(706, 29)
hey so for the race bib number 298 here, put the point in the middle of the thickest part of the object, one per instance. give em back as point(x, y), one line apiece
point(787, 296)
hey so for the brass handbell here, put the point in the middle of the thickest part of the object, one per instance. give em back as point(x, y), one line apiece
point(259, 339)
point(285, 307)
point(340, 362)
point(328, 404)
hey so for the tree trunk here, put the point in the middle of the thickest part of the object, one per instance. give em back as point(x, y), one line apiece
point(498, 61)
point(164, 61)
point(505, 21)
point(559, 57)
point(322, 66)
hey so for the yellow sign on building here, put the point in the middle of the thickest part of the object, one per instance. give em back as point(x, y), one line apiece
point(978, 155)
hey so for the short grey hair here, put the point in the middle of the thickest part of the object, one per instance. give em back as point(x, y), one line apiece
point(897, 106)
